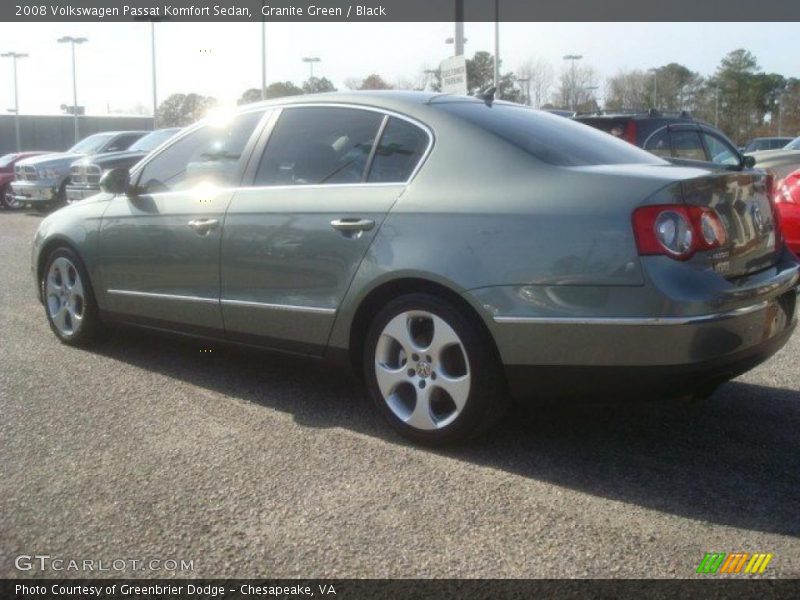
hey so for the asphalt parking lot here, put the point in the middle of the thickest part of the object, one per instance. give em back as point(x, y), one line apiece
point(250, 464)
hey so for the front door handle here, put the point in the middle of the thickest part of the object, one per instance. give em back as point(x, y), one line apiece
point(352, 225)
point(203, 226)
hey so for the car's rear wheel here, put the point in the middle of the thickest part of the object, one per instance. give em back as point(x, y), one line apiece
point(69, 302)
point(431, 371)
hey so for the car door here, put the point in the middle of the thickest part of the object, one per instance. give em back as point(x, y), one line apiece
point(159, 246)
point(294, 239)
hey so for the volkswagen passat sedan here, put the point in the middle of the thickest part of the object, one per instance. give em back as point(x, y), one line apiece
point(454, 251)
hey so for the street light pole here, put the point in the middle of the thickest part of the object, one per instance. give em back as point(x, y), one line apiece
point(14, 56)
point(311, 60)
point(497, 44)
point(655, 87)
point(72, 41)
point(573, 84)
point(153, 56)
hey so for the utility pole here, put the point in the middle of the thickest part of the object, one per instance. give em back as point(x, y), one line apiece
point(458, 45)
point(14, 56)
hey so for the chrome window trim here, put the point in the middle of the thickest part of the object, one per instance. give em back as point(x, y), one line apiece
point(278, 110)
point(283, 307)
point(635, 321)
point(162, 296)
point(226, 302)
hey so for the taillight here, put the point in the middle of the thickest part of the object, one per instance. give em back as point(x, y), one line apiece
point(676, 230)
point(630, 132)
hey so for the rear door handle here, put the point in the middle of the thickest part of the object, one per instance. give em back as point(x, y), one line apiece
point(352, 225)
point(203, 226)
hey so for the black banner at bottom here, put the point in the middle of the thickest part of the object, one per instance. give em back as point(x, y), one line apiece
point(389, 589)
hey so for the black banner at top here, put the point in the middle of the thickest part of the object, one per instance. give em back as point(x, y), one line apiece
point(399, 10)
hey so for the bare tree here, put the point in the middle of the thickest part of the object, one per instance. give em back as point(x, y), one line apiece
point(576, 87)
point(629, 90)
point(537, 80)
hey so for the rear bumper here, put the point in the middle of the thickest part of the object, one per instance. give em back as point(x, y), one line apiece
point(572, 341)
point(638, 383)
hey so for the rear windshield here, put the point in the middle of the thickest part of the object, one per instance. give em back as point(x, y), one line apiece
point(551, 139)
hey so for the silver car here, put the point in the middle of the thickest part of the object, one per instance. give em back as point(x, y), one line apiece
point(455, 252)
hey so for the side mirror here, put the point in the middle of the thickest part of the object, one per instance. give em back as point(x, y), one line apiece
point(116, 181)
point(748, 162)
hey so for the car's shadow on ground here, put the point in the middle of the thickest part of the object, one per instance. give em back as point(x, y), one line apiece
point(732, 459)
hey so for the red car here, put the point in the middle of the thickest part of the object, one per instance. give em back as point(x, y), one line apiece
point(7, 162)
point(787, 199)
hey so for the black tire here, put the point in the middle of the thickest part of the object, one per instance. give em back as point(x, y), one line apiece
point(5, 200)
point(90, 325)
point(487, 399)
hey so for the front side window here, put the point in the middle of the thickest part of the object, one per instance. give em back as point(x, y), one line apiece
point(209, 154)
point(721, 153)
point(312, 146)
point(122, 142)
point(91, 144)
point(400, 149)
point(687, 144)
point(153, 140)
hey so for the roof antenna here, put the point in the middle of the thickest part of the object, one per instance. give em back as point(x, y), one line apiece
point(487, 95)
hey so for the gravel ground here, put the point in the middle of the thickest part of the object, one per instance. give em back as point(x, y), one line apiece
point(254, 465)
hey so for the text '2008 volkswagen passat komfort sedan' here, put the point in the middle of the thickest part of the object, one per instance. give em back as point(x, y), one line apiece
point(455, 251)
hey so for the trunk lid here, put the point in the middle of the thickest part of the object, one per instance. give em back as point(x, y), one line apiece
point(742, 201)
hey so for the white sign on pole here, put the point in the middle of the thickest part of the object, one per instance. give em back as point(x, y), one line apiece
point(454, 75)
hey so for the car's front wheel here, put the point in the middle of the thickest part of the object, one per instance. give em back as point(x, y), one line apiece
point(431, 371)
point(69, 302)
point(7, 198)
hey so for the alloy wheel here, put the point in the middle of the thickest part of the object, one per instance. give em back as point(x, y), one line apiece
point(422, 370)
point(65, 297)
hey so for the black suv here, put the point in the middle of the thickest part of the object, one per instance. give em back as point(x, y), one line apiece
point(675, 136)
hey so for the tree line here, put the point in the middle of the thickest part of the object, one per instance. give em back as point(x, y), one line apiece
point(739, 97)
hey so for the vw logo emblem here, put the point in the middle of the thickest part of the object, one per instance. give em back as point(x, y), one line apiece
point(758, 218)
point(423, 370)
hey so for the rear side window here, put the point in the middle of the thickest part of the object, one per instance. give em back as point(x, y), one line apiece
point(549, 138)
point(687, 145)
point(400, 149)
point(658, 143)
point(312, 146)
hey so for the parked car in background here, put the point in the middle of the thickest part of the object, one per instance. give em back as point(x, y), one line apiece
point(41, 181)
point(448, 248)
point(7, 163)
point(780, 162)
point(765, 143)
point(673, 136)
point(787, 200)
point(86, 172)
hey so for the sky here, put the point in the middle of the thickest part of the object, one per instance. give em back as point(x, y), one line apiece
point(223, 60)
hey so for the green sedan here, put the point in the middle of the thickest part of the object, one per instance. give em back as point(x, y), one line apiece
point(455, 252)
